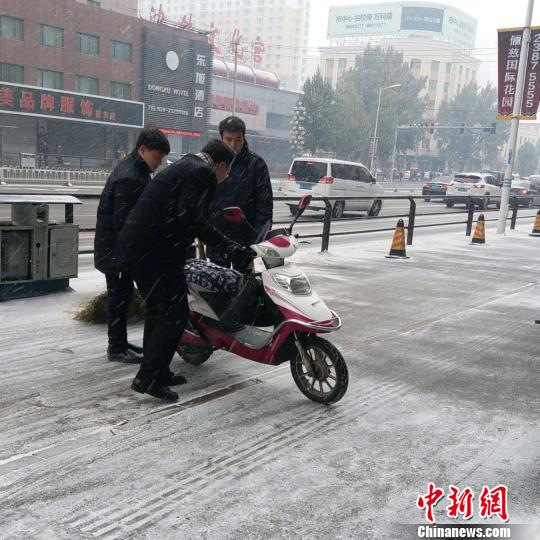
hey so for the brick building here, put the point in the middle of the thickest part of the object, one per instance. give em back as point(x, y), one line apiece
point(74, 76)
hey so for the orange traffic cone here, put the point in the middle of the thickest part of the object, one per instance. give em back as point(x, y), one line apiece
point(536, 227)
point(479, 236)
point(397, 251)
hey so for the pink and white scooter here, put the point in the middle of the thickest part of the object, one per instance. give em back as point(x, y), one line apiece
point(279, 319)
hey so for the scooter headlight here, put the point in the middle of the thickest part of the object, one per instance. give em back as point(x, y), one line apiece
point(298, 284)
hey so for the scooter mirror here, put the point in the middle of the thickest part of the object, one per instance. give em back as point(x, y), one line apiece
point(304, 202)
point(233, 214)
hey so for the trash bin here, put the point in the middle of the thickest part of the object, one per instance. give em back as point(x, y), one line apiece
point(37, 256)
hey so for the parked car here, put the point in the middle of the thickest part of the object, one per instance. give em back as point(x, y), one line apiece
point(523, 187)
point(323, 177)
point(479, 186)
point(436, 187)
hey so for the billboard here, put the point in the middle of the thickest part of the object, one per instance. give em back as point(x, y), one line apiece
point(403, 17)
point(364, 20)
point(177, 74)
point(43, 102)
point(422, 18)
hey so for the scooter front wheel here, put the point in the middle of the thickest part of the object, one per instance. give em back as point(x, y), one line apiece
point(326, 382)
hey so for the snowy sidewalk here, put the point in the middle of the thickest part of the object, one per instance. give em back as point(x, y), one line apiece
point(444, 364)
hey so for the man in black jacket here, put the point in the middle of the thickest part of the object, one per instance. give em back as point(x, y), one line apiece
point(122, 190)
point(248, 186)
point(169, 215)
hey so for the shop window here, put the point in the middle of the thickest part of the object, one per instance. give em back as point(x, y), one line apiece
point(50, 79)
point(122, 51)
point(88, 44)
point(435, 66)
point(86, 85)
point(50, 36)
point(120, 90)
point(11, 73)
point(11, 27)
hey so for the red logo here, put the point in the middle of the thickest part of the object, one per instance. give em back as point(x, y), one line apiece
point(492, 502)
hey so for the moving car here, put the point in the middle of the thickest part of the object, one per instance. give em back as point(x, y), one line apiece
point(479, 186)
point(436, 187)
point(324, 177)
point(523, 187)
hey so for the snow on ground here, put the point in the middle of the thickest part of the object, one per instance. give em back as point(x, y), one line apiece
point(444, 369)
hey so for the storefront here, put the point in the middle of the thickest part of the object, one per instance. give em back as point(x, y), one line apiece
point(42, 127)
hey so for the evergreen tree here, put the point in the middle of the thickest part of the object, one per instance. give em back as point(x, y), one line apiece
point(474, 149)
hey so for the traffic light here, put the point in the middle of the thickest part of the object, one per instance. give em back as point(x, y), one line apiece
point(493, 128)
point(462, 129)
point(432, 128)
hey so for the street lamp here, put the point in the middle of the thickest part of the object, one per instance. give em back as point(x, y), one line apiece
point(377, 124)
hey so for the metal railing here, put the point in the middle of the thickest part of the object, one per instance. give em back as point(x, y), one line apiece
point(23, 175)
point(411, 214)
point(469, 201)
point(55, 161)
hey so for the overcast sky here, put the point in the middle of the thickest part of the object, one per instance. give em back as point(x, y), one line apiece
point(490, 14)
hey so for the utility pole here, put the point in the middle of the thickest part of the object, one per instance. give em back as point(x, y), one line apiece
point(516, 111)
point(377, 125)
point(394, 153)
point(235, 44)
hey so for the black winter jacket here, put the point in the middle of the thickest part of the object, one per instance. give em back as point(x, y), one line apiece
point(122, 190)
point(248, 186)
point(169, 215)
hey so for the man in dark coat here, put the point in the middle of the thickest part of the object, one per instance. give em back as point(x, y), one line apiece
point(248, 186)
point(122, 190)
point(169, 215)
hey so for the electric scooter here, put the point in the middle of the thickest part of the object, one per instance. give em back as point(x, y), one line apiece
point(280, 318)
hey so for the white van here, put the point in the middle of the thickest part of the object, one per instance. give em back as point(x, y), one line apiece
point(322, 177)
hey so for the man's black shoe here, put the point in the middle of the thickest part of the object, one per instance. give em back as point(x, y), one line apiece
point(175, 380)
point(154, 389)
point(125, 357)
point(135, 348)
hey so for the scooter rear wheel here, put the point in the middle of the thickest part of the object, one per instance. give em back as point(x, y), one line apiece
point(328, 381)
point(194, 355)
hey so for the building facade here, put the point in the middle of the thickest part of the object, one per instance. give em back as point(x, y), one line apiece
point(273, 34)
point(80, 80)
point(435, 40)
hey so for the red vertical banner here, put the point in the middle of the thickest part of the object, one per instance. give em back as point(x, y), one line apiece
point(509, 51)
point(531, 90)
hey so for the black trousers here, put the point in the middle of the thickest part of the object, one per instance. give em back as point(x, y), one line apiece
point(119, 296)
point(166, 316)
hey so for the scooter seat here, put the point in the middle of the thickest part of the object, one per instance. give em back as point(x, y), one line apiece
point(212, 277)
